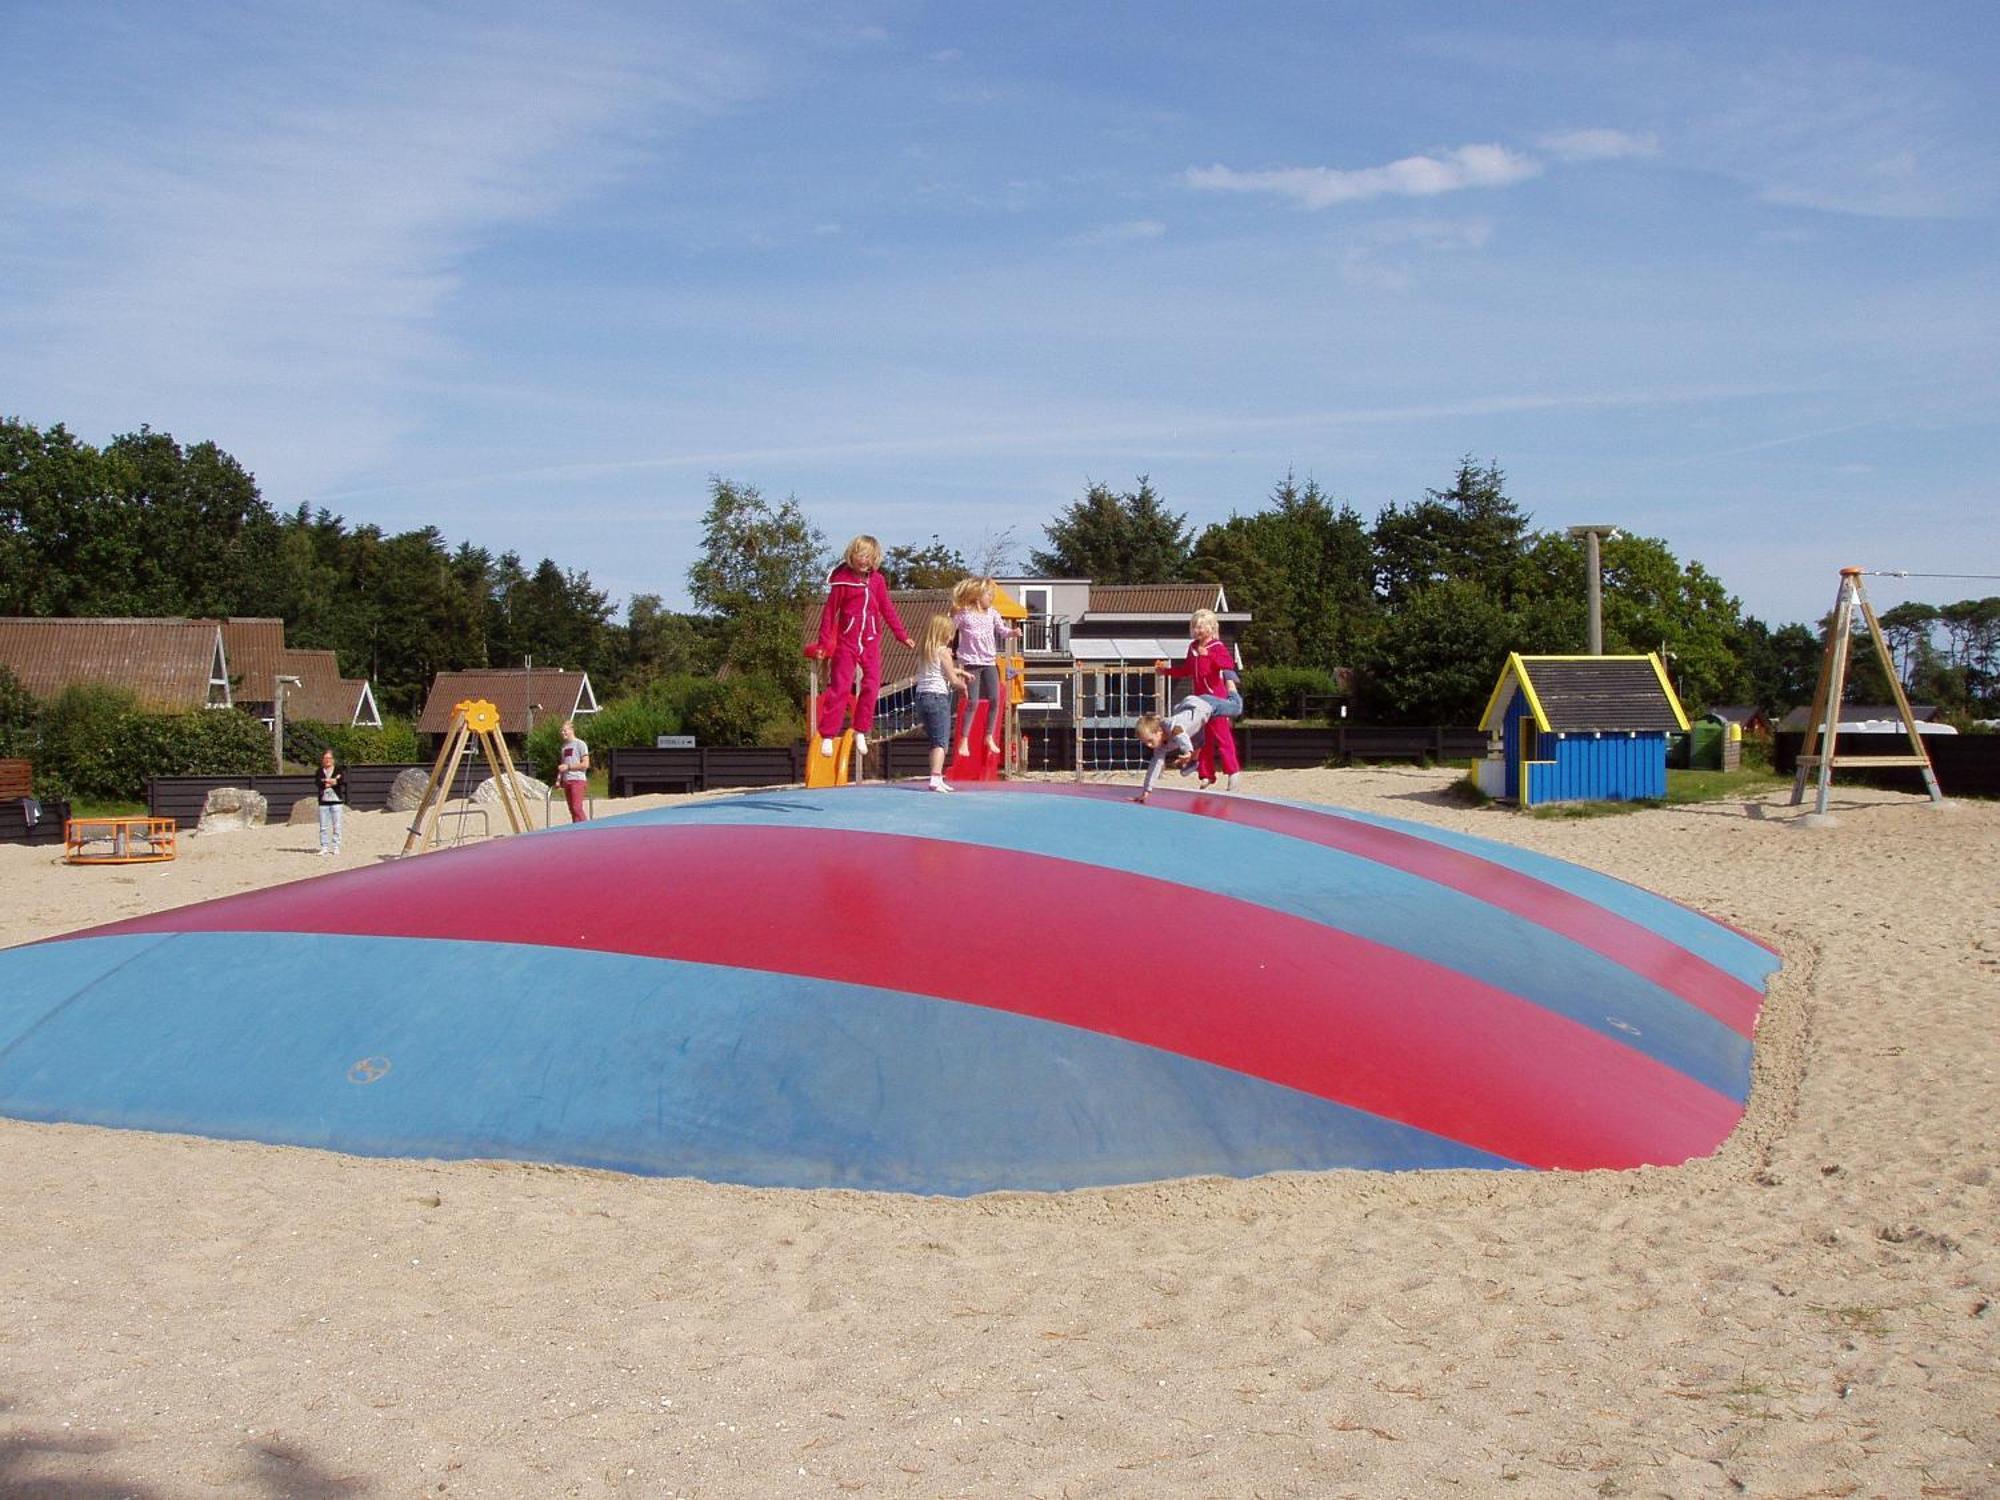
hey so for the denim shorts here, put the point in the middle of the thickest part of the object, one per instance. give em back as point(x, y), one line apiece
point(935, 711)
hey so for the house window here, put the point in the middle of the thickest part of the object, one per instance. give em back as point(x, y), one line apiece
point(1041, 695)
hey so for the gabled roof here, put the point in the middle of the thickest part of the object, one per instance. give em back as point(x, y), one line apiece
point(560, 694)
point(168, 664)
point(1860, 713)
point(254, 645)
point(1163, 599)
point(1734, 713)
point(1568, 694)
point(323, 695)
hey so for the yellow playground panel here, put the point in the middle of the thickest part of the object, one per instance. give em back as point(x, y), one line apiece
point(118, 841)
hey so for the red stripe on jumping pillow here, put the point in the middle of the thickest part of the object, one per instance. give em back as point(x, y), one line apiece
point(1623, 941)
point(1283, 999)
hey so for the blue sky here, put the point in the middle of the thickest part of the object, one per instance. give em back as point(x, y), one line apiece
point(1719, 273)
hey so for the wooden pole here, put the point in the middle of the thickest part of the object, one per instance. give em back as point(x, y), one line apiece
point(439, 786)
point(1076, 714)
point(1896, 688)
point(1816, 718)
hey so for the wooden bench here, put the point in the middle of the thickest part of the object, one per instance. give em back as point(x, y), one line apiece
point(637, 772)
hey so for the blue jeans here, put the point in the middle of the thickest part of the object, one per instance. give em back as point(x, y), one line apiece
point(934, 709)
point(1225, 708)
point(329, 825)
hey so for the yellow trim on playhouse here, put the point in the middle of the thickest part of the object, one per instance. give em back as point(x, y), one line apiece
point(1517, 669)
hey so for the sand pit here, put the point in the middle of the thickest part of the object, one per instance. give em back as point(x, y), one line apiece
point(1806, 1312)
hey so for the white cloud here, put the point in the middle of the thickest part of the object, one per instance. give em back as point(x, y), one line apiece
point(1600, 145)
point(1478, 166)
point(263, 250)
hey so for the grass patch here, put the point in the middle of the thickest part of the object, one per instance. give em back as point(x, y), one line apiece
point(1683, 787)
point(1719, 786)
point(105, 807)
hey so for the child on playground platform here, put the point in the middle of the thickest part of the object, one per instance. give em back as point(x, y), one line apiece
point(850, 634)
point(1211, 668)
point(1172, 741)
point(980, 631)
point(937, 675)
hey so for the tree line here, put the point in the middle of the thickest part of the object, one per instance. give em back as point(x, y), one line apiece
point(1416, 607)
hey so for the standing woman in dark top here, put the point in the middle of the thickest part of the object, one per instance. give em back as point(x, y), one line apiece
point(331, 794)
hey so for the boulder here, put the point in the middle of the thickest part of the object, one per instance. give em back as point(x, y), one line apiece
point(306, 811)
point(407, 790)
point(487, 793)
point(230, 808)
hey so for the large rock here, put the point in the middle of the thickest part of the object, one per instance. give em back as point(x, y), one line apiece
point(487, 793)
point(407, 790)
point(230, 808)
point(304, 811)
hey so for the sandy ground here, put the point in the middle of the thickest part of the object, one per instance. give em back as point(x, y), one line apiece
point(1807, 1313)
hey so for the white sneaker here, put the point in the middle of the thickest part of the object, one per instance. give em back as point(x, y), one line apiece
point(939, 784)
point(826, 747)
point(861, 744)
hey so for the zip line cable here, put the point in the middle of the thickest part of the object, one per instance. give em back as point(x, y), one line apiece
point(1906, 573)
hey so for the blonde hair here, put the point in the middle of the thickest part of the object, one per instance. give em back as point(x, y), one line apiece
point(965, 593)
point(1206, 617)
point(938, 634)
point(860, 547)
point(1149, 721)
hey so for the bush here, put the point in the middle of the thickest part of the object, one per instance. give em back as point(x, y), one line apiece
point(623, 723)
point(17, 717)
point(748, 710)
point(94, 741)
point(394, 744)
point(1274, 692)
point(745, 710)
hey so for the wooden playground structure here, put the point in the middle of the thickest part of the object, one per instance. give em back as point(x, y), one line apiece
point(1823, 725)
point(474, 723)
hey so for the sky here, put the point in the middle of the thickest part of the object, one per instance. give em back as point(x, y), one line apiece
point(533, 274)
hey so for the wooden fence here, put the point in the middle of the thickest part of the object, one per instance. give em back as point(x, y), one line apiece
point(636, 772)
point(1967, 765)
point(183, 797)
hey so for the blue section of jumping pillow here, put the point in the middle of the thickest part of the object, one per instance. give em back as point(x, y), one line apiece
point(1727, 949)
point(409, 1047)
point(1375, 901)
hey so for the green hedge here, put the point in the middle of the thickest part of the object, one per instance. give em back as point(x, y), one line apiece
point(94, 741)
point(395, 743)
point(1273, 692)
point(746, 710)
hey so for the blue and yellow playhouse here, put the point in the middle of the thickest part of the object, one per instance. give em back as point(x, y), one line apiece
point(1581, 729)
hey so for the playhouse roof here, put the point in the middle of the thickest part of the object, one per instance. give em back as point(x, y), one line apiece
point(1568, 694)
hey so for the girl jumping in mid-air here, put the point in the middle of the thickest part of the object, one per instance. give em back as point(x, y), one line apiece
point(1212, 668)
point(980, 630)
point(937, 675)
point(850, 632)
point(1172, 741)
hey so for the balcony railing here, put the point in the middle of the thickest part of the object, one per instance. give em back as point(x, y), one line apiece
point(1045, 635)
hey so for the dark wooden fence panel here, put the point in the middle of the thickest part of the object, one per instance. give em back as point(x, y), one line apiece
point(1967, 765)
point(752, 765)
point(183, 797)
point(637, 771)
point(48, 828)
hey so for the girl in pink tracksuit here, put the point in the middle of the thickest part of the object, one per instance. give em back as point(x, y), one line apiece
point(850, 632)
point(1211, 666)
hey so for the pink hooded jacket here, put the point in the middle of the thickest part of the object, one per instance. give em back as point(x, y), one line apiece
point(857, 606)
